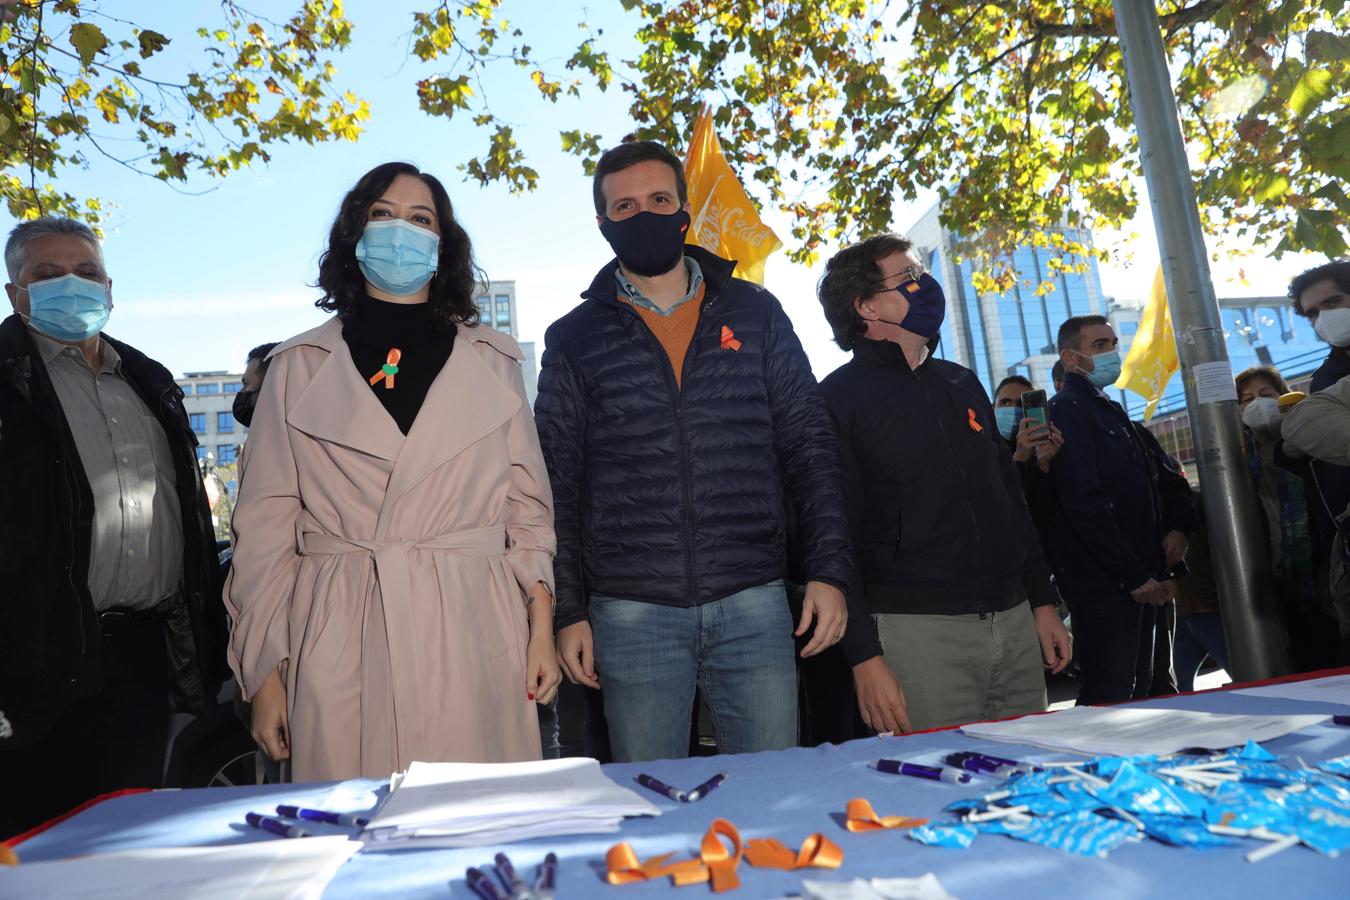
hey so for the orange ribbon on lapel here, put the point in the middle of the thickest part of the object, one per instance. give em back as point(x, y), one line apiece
point(975, 425)
point(862, 817)
point(729, 341)
point(388, 370)
point(715, 862)
point(817, 852)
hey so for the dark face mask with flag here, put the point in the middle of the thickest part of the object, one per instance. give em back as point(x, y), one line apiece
point(648, 244)
point(927, 306)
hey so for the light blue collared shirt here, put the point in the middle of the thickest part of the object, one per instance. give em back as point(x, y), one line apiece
point(630, 290)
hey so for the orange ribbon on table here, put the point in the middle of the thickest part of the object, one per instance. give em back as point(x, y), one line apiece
point(817, 852)
point(388, 370)
point(715, 862)
point(729, 341)
point(862, 817)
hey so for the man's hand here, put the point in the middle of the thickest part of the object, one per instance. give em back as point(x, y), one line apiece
point(1031, 437)
point(1056, 642)
point(269, 726)
point(576, 654)
point(825, 603)
point(880, 697)
point(1175, 545)
point(1150, 592)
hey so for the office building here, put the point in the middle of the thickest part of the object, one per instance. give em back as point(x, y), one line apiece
point(1013, 332)
point(208, 398)
point(497, 308)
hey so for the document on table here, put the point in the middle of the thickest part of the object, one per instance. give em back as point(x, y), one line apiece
point(1335, 689)
point(926, 887)
point(1130, 730)
point(277, 869)
point(470, 804)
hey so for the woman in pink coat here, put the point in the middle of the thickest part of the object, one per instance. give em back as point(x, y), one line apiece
point(392, 586)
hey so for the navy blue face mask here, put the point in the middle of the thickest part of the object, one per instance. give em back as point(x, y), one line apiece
point(648, 243)
point(927, 306)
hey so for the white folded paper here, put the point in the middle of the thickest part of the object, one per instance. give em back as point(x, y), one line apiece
point(1333, 689)
point(925, 887)
point(1131, 730)
point(269, 869)
point(474, 804)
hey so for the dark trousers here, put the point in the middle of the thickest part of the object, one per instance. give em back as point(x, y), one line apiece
point(1112, 639)
point(104, 743)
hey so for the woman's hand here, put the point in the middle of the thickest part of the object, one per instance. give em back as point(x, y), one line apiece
point(269, 725)
point(542, 674)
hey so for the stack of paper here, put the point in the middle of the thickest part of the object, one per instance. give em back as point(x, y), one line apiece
point(1131, 730)
point(471, 804)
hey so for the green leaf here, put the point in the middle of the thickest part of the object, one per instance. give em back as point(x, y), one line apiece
point(1324, 46)
point(1313, 87)
point(151, 43)
point(1273, 187)
point(88, 40)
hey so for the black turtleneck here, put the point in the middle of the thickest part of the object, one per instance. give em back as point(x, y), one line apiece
point(375, 328)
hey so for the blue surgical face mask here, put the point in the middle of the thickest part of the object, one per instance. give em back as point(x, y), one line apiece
point(1105, 369)
point(69, 308)
point(397, 257)
point(1008, 418)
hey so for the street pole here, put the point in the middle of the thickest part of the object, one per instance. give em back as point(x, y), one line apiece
point(1241, 565)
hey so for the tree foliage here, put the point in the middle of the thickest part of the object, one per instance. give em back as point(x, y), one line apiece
point(76, 82)
point(1016, 113)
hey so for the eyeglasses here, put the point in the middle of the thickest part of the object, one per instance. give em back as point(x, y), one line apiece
point(909, 273)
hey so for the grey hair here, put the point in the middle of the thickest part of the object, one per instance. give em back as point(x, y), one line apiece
point(17, 245)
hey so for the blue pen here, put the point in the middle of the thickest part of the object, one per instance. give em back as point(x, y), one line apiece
point(351, 820)
point(931, 773)
point(276, 826)
point(661, 787)
point(482, 885)
point(547, 878)
point(707, 787)
point(507, 873)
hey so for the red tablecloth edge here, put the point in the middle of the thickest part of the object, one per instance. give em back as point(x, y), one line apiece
point(1231, 686)
point(1302, 676)
point(50, 823)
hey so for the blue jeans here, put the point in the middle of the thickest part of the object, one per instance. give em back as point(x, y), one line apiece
point(1198, 636)
point(737, 650)
point(1112, 639)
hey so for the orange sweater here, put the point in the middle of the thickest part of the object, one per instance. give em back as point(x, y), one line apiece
point(675, 331)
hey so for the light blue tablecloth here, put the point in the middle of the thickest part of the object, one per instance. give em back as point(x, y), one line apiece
point(787, 795)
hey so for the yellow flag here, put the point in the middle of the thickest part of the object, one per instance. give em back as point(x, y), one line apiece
point(1153, 354)
point(725, 222)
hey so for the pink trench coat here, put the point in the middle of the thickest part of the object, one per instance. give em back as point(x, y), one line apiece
point(389, 573)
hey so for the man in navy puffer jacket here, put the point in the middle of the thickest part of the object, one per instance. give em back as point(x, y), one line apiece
point(676, 410)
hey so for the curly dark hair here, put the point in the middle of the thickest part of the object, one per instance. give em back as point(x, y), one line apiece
point(853, 274)
point(457, 276)
point(1337, 271)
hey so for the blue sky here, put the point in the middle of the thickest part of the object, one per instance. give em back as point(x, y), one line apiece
point(198, 280)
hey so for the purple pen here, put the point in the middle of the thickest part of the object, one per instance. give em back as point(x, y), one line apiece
point(969, 763)
point(706, 787)
point(482, 885)
point(544, 885)
point(351, 820)
point(507, 873)
point(661, 787)
point(1010, 763)
point(931, 773)
point(1341, 720)
point(276, 826)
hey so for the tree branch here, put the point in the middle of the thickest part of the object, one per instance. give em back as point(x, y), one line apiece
point(1200, 12)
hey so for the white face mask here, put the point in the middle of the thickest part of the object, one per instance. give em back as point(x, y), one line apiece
point(1333, 326)
point(1262, 414)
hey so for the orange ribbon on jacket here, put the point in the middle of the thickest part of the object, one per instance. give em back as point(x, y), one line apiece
point(862, 817)
point(388, 370)
point(817, 852)
point(975, 425)
point(729, 341)
point(715, 862)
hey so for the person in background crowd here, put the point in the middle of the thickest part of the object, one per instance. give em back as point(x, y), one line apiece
point(1112, 547)
point(1283, 497)
point(1033, 447)
point(391, 587)
point(1199, 630)
point(1320, 428)
point(964, 616)
point(676, 410)
point(110, 609)
point(255, 370)
point(1057, 375)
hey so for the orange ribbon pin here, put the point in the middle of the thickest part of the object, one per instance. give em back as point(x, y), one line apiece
point(729, 341)
point(388, 370)
point(975, 426)
point(817, 852)
point(862, 817)
point(715, 863)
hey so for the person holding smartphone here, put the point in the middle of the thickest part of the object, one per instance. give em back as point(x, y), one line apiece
point(1023, 420)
